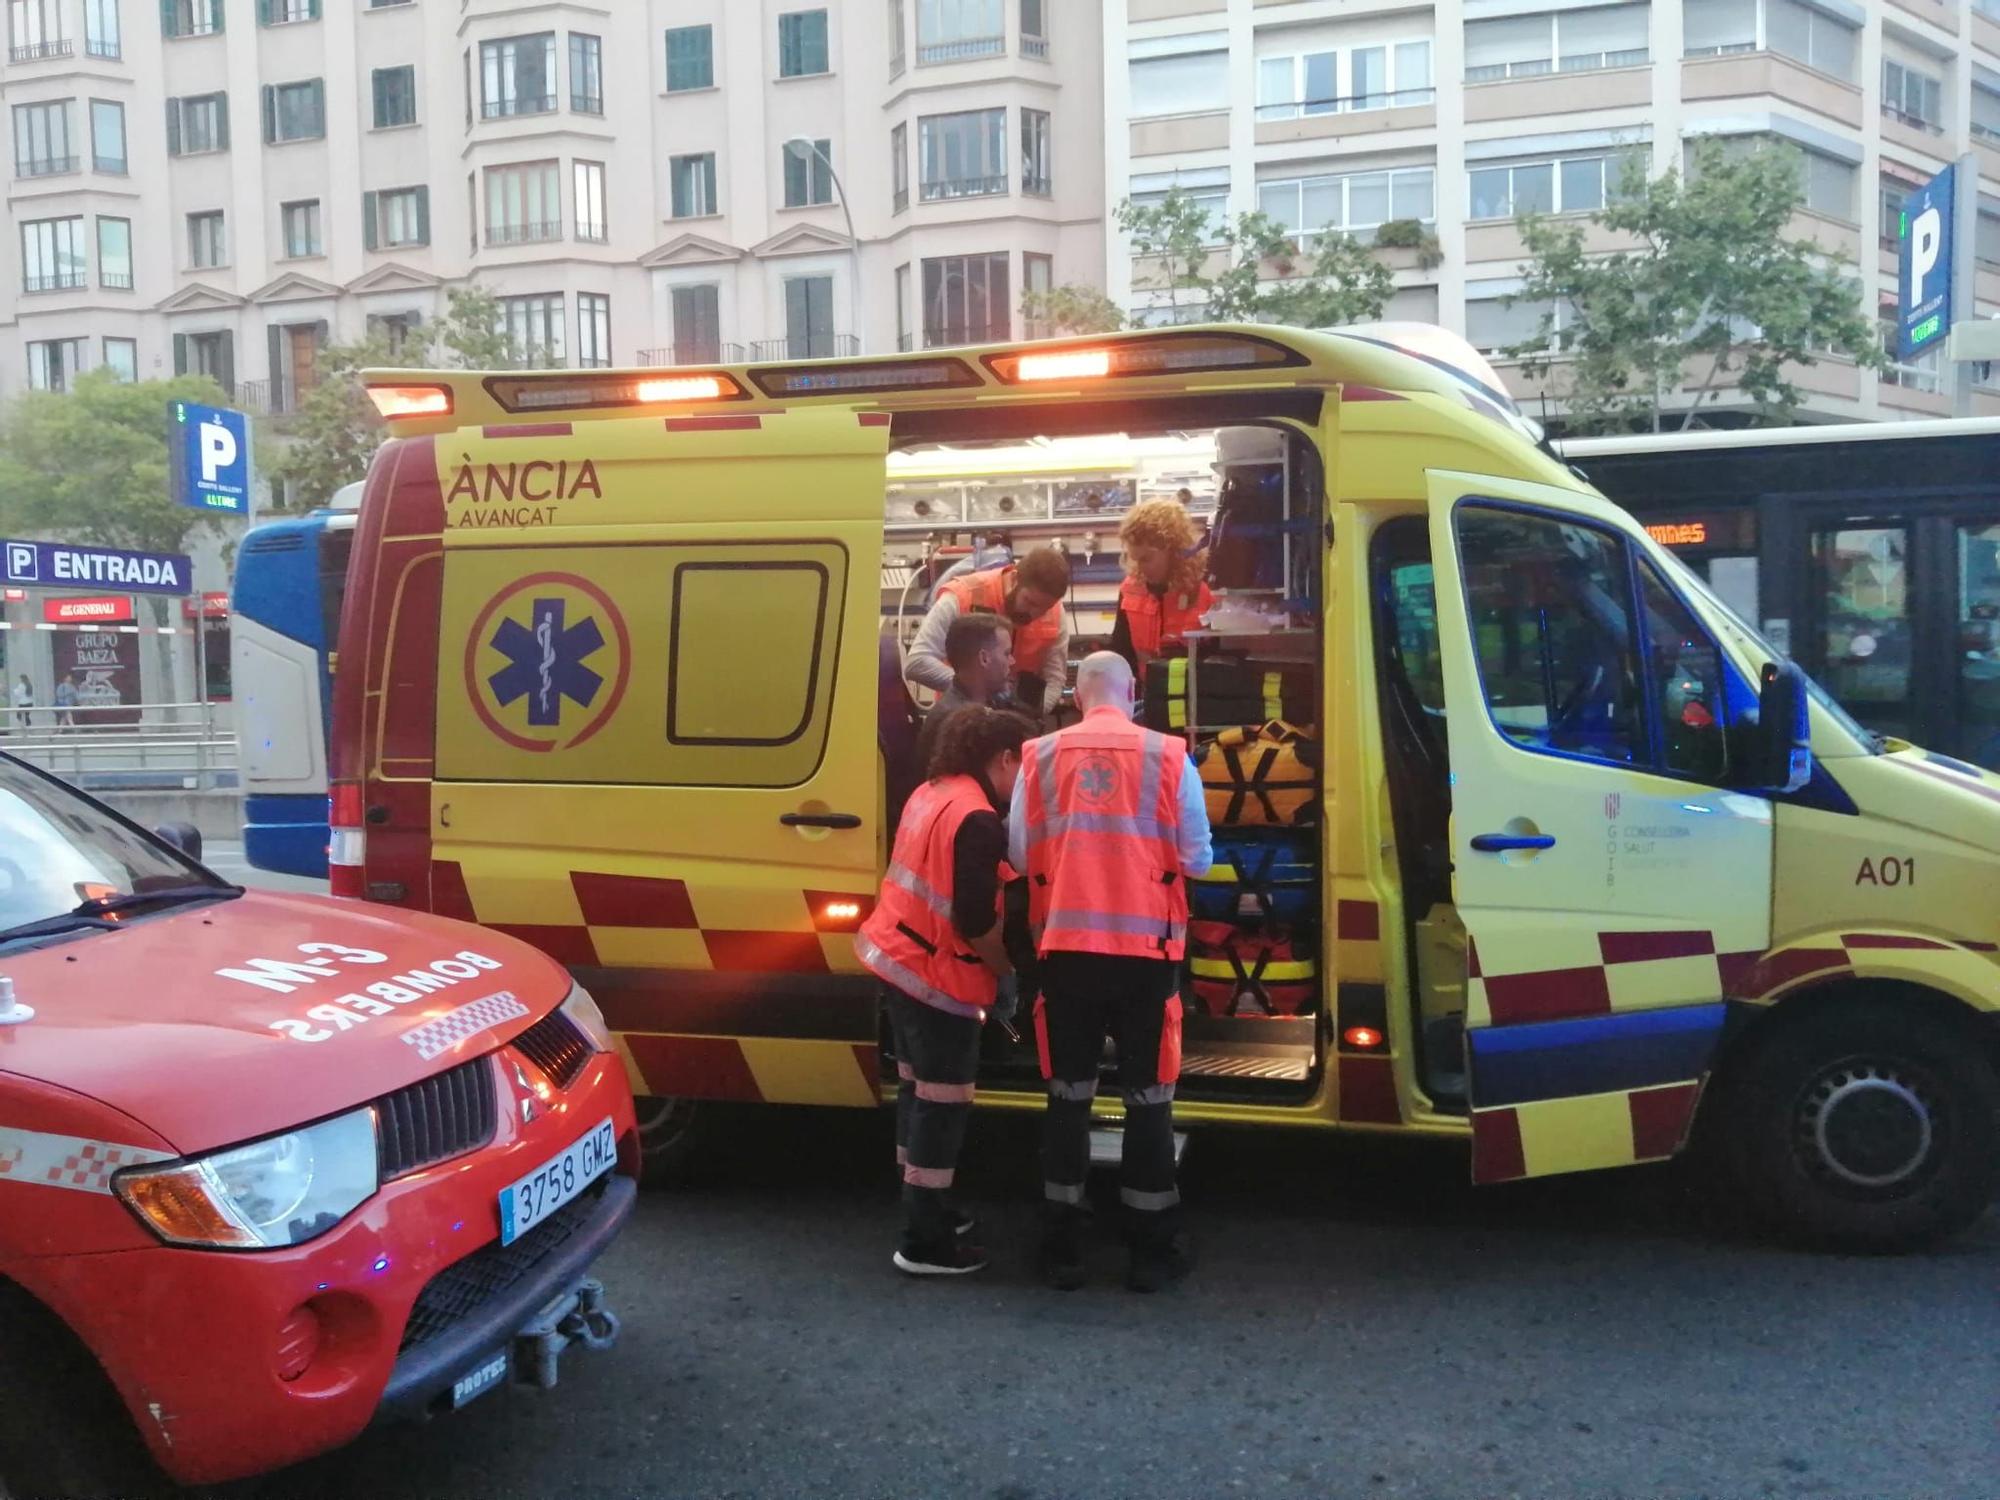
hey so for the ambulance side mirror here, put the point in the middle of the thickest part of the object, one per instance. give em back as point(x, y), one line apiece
point(182, 836)
point(1781, 751)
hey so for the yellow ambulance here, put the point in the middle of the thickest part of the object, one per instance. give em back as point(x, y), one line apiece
point(1589, 864)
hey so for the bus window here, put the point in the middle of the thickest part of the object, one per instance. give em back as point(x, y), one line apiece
point(1979, 643)
point(1862, 576)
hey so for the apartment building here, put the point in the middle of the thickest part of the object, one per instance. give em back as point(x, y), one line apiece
point(222, 186)
point(1462, 114)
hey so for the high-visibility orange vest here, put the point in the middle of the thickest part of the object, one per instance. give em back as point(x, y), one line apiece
point(908, 940)
point(1157, 621)
point(1103, 807)
point(988, 591)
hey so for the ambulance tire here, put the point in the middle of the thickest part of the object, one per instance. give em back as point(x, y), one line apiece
point(670, 1136)
point(1863, 1125)
point(63, 1431)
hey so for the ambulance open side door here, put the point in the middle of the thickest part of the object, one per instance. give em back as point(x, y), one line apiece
point(1606, 876)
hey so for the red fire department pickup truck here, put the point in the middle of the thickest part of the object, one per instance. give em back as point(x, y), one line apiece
point(283, 1165)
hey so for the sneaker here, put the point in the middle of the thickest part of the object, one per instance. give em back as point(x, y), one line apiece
point(1154, 1268)
point(1062, 1256)
point(955, 1259)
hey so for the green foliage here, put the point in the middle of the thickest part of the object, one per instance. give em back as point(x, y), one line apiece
point(1712, 285)
point(1411, 234)
point(1072, 309)
point(1173, 238)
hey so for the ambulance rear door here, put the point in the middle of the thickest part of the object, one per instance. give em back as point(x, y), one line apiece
point(656, 749)
point(1607, 878)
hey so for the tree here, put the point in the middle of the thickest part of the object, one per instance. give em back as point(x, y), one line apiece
point(1252, 269)
point(1711, 283)
point(1072, 309)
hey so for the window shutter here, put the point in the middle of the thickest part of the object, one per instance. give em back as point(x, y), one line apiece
point(381, 94)
point(263, 12)
point(314, 10)
point(369, 231)
point(226, 374)
point(277, 394)
point(423, 216)
point(270, 114)
point(221, 14)
point(319, 107)
point(169, 23)
point(222, 121)
point(180, 339)
point(173, 127)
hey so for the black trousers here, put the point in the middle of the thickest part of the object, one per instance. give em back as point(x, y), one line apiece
point(1136, 1002)
point(937, 1059)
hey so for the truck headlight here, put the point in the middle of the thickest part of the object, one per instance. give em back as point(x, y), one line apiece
point(587, 1018)
point(282, 1190)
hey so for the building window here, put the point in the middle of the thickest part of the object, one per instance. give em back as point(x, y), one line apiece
point(300, 223)
point(36, 29)
point(1179, 75)
point(1577, 184)
point(1312, 83)
point(809, 317)
point(1985, 110)
point(386, 4)
point(593, 331)
point(587, 186)
point(1208, 187)
point(586, 73)
point(1891, 197)
point(54, 364)
point(1921, 372)
point(294, 363)
point(903, 307)
point(1714, 28)
point(197, 123)
point(53, 255)
point(107, 136)
point(121, 358)
point(802, 44)
point(1038, 275)
point(212, 354)
point(954, 30)
point(395, 96)
point(190, 17)
point(294, 111)
point(284, 12)
point(1037, 153)
point(899, 166)
point(962, 155)
point(1494, 325)
point(42, 146)
point(898, 55)
point(1034, 29)
point(101, 33)
point(697, 312)
point(1913, 97)
point(395, 218)
point(207, 245)
point(690, 58)
point(533, 328)
point(966, 300)
point(397, 331)
point(693, 185)
point(517, 76)
point(114, 254)
point(524, 203)
point(1352, 204)
point(1564, 41)
point(808, 174)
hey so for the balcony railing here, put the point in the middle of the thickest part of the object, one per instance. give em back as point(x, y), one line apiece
point(1721, 49)
point(62, 281)
point(695, 352)
point(35, 51)
point(501, 109)
point(103, 46)
point(115, 281)
point(1574, 62)
point(946, 188)
point(1915, 122)
point(275, 397)
point(1036, 47)
point(1036, 187)
point(522, 234)
point(807, 346)
point(1348, 104)
point(45, 166)
point(1985, 132)
point(972, 333)
point(962, 50)
point(593, 234)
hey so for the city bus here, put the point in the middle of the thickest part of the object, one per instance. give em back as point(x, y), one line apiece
point(1869, 551)
point(291, 575)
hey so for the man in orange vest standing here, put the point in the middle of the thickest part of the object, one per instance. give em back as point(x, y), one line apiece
point(1029, 596)
point(1109, 822)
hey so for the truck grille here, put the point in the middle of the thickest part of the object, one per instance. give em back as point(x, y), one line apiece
point(461, 1289)
point(436, 1119)
point(554, 1045)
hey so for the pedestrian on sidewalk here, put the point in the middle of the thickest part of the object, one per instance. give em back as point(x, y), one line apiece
point(23, 701)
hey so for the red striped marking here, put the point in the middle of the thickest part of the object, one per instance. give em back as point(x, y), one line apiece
point(1639, 947)
point(1496, 1146)
point(1777, 970)
point(564, 943)
point(713, 424)
point(1660, 1119)
point(1472, 970)
point(764, 952)
point(1358, 921)
point(449, 897)
point(873, 419)
point(1739, 971)
point(528, 429)
point(694, 1067)
point(632, 900)
point(1368, 1091)
point(1952, 778)
point(1548, 995)
point(1887, 940)
point(1972, 947)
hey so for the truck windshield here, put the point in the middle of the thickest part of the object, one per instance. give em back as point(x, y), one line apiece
point(65, 863)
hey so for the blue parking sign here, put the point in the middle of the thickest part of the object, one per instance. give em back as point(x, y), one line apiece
point(1923, 273)
point(211, 460)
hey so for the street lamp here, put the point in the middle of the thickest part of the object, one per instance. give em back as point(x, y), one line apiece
point(799, 146)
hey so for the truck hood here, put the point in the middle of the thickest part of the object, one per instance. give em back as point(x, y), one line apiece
point(219, 1023)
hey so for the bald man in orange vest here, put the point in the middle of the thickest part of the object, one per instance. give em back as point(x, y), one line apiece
point(1109, 822)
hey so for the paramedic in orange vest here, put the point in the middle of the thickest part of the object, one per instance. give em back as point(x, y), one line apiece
point(1164, 595)
point(1029, 596)
point(1108, 821)
point(935, 940)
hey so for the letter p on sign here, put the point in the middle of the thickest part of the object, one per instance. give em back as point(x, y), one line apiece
point(1926, 235)
point(218, 449)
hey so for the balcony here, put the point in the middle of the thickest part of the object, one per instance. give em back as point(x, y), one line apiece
point(104, 47)
point(61, 281)
point(39, 51)
point(806, 346)
point(45, 166)
point(695, 353)
point(1035, 48)
point(522, 234)
point(115, 281)
point(277, 397)
point(945, 189)
point(1913, 122)
point(1037, 187)
point(506, 109)
point(1298, 108)
point(1575, 62)
point(965, 49)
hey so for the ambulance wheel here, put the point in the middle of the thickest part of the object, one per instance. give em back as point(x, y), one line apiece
point(1866, 1125)
point(63, 1431)
point(669, 1138)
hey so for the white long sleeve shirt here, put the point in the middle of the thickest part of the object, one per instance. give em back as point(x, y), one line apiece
point(925, 666)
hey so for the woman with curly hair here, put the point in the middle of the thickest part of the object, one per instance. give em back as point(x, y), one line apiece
point(1164, 595)
point(935, 940)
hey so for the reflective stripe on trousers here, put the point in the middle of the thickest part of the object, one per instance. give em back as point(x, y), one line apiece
point(1149, 1203)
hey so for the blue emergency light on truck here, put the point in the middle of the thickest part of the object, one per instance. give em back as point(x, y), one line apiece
point(285, 614)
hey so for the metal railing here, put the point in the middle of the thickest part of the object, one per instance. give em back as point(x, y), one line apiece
point(105, 47)
point(503, 109)
point(1036, 47)
point(274, 397)
point(523, 234)
point(807, 346)
point(1915, 122)
point(36, 51)
point(62, 281)
point(44, 166)
point(960, 50)
point(134, 746)
point(946, 189)
point(694, 353)
point(1350, 103)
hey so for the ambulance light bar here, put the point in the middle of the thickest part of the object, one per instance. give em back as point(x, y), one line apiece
point(534, 393)
point(1171, 354)
point(394, 401)
point(892, 375)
